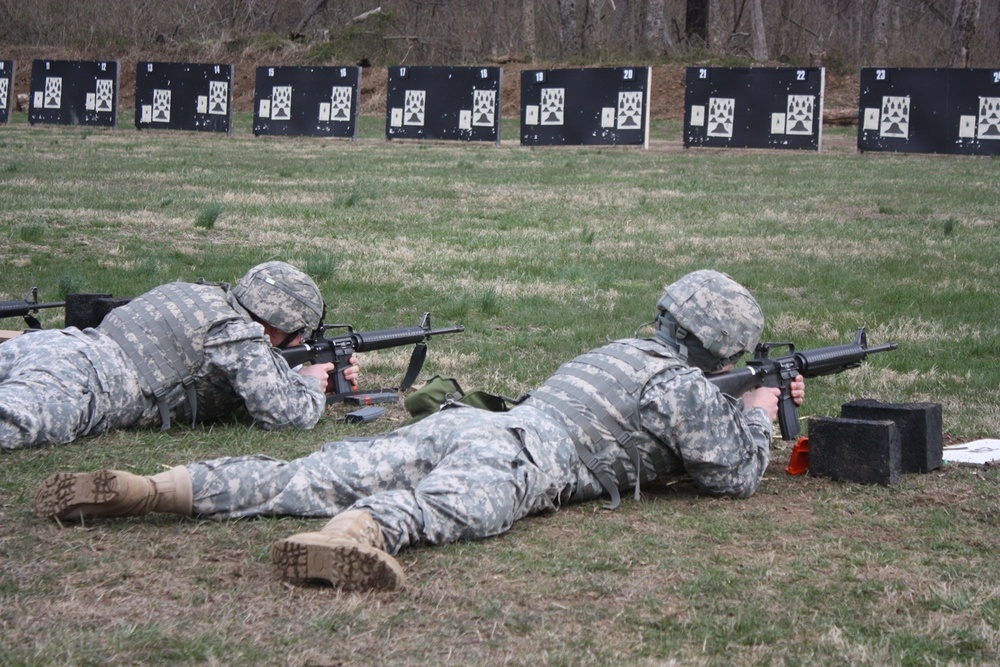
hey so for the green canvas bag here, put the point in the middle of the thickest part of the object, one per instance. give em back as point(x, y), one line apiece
point(439, 391)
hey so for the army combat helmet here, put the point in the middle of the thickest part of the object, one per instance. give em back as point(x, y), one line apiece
point(281, 295)
point(709, 318)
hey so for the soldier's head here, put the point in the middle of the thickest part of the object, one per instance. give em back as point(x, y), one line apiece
point(710, 319)
point(282, 296)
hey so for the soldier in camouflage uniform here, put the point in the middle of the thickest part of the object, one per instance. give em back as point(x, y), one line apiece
point(614, 418)
point(182, 351)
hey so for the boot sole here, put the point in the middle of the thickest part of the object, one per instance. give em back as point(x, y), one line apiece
point(63, 493)
point(344, 564)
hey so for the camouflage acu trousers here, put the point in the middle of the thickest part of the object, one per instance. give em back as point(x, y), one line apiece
point(52, 393)
point(459, 474)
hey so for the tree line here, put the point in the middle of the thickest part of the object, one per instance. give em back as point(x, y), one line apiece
point(846, 33)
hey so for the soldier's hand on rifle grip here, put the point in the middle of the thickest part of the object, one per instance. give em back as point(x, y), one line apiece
point(319, 371)
point(763, 397)
point(780, 405)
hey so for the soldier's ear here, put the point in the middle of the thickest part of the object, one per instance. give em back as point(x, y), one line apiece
point(274, 335)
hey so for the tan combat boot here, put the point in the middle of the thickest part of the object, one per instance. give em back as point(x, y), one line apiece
point(114, 493)
point(348, 553)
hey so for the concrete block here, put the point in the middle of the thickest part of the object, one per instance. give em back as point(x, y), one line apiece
point(855, 450)
point(920, 429)
point(87, 310)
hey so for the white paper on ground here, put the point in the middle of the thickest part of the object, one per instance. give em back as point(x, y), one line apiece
point(977, 452)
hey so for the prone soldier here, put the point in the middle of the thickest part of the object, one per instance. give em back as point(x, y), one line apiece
point(182, 351)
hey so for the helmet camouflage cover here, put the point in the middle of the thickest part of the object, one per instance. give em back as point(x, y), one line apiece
point(281, 295)
point(715, 309)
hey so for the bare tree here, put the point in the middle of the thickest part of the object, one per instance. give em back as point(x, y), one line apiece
point(962, 31)
point(528, 28)
point(758, 39)
point(567, 27)
point(313, 9)
point(716, 41)
point(623, 34)
point(880, 32)
point(588, 36)
point(656, 35)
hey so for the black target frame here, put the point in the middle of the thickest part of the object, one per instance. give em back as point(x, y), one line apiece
point(929, 110)
point(754, 107)
point(599, 106)
point(307, 101)
point(198, 97)
point(74, 92)
point(7, 97)
point(450, 103)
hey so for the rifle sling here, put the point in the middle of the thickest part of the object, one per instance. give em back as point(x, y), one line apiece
point(416, 363)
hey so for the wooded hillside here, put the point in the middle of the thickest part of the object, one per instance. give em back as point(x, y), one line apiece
point(843, 34)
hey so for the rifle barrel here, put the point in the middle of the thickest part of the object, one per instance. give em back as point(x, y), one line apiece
point(446, 330)
point(25, 308)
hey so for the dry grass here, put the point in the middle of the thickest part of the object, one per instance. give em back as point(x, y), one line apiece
point(808, 572)
point(540, 254)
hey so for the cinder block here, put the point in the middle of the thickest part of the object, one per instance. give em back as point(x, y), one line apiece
point(919, 424)
point(87, 310)
point(854, 450)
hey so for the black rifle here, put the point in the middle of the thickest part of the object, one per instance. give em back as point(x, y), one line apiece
point(27, 308)
point(339, 349)
point(82, 310)
point(762, 371)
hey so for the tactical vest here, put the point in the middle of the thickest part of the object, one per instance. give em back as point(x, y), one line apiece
point(596, 395)
point(163, 333)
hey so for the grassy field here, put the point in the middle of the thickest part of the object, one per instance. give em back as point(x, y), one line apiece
point(541, 253)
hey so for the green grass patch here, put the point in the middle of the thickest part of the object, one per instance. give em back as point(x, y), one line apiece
point(541, 253)
point(206, 219)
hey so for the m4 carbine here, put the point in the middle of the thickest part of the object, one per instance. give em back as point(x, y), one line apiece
point(339, 349)
point(82, 310)
point(27, 308)
point(762, 371)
